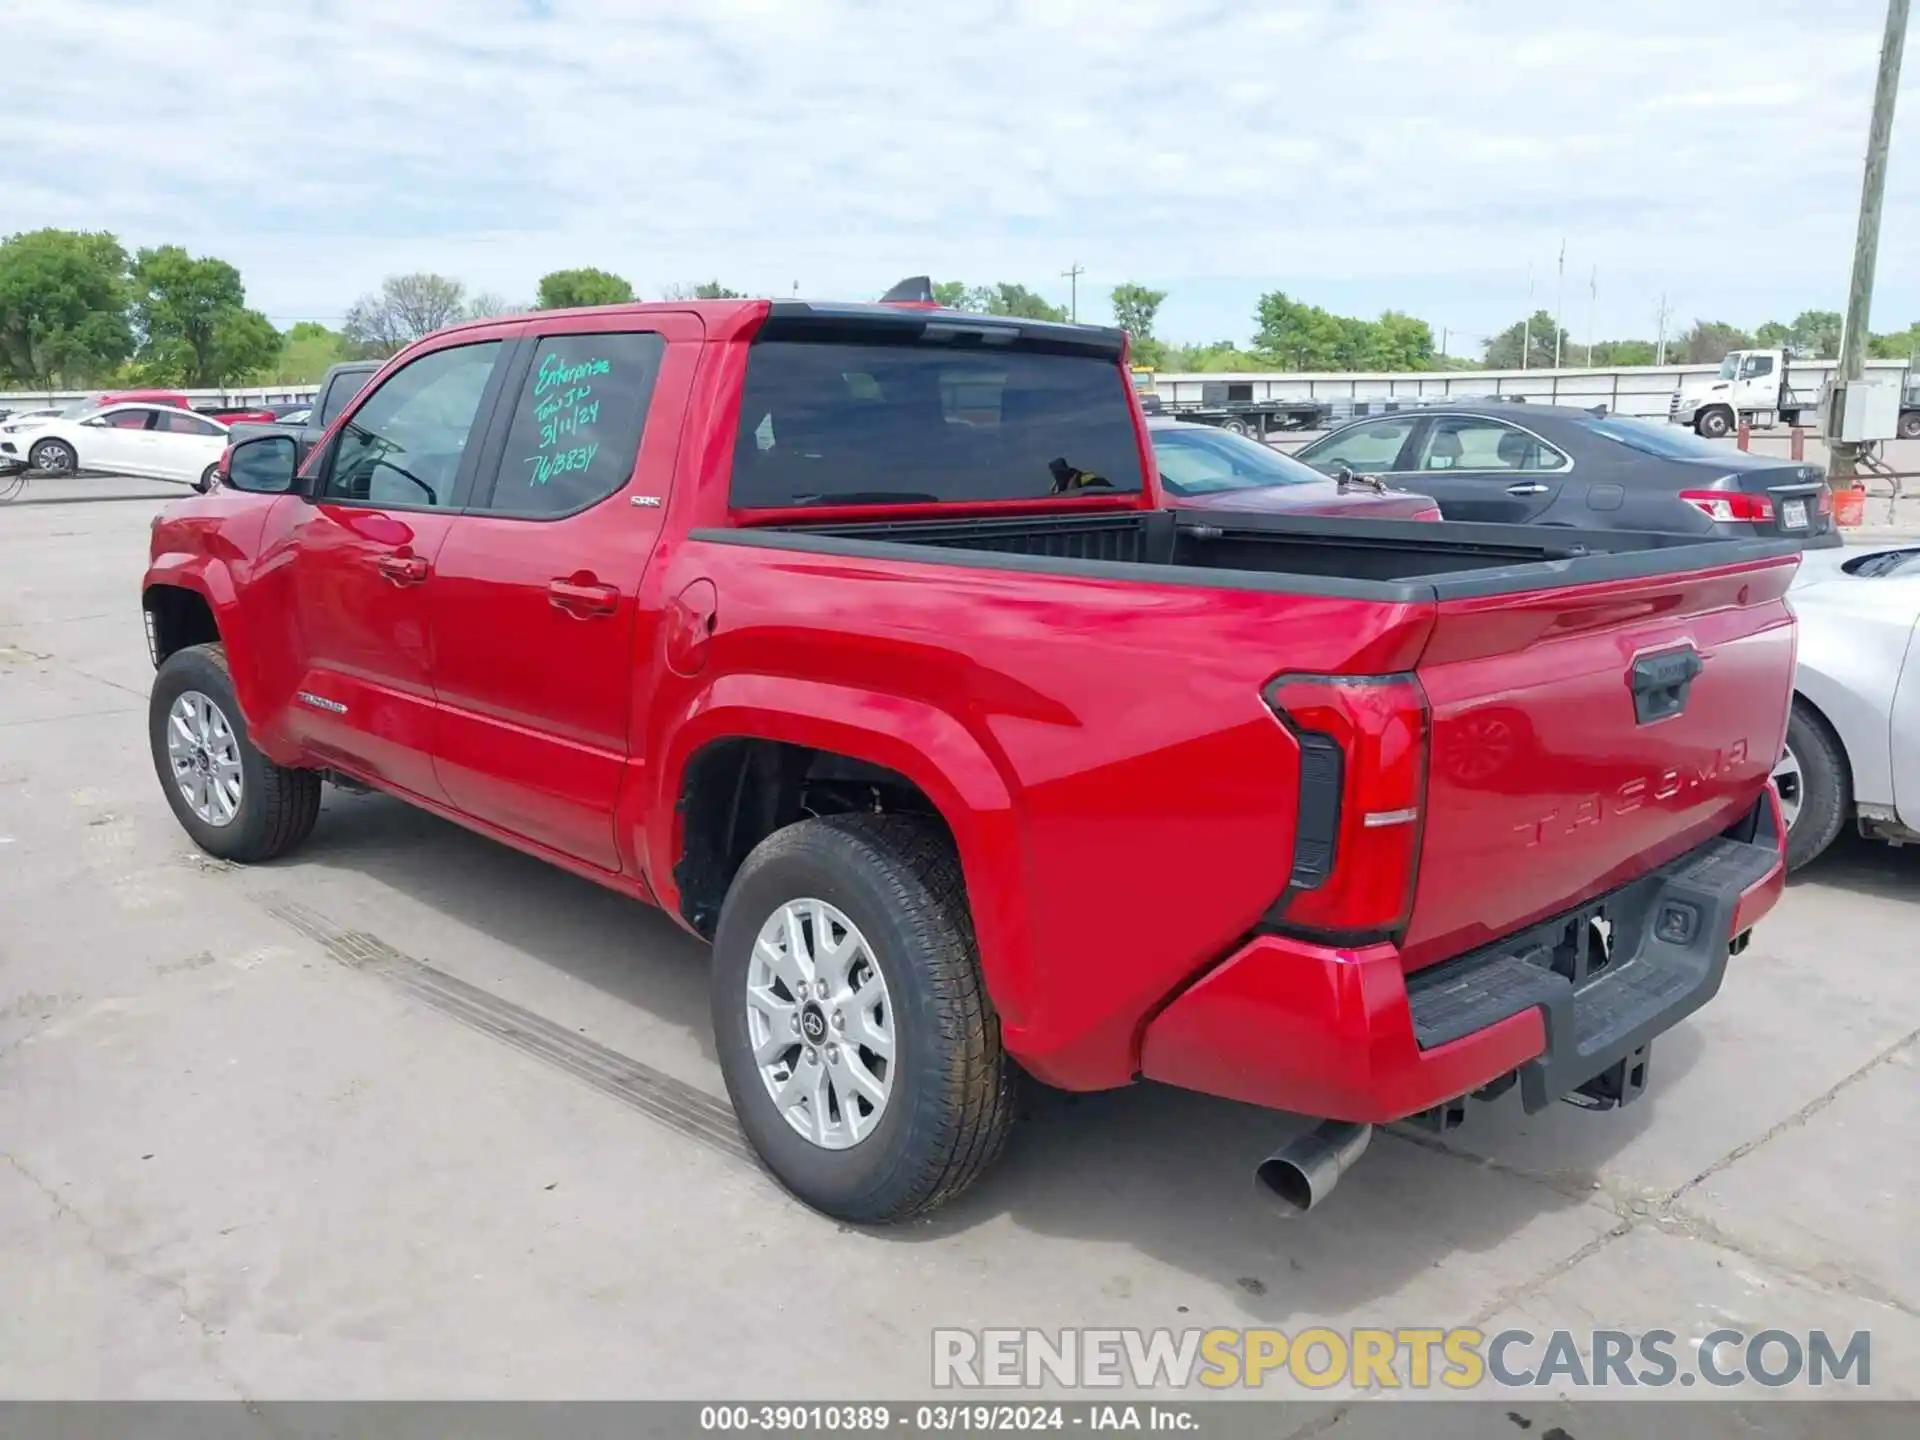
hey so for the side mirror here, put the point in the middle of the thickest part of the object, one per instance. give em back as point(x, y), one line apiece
point(264, 465)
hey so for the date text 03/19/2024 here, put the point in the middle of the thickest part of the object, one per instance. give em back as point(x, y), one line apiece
point(961, 1418)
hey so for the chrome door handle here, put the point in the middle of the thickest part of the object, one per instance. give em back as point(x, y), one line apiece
point(1528, 489)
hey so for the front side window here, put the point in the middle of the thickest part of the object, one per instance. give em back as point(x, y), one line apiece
point(1200, 461)
point(127, 419)
point(1756, 366)
point(576, 423)
point(1374, 445)
point(825, 423)
point(403, 446)
point(1474, 443)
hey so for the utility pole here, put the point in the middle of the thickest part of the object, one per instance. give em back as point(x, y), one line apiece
point(1843, 459)
point(1443, 342)
point(1593, 303)
point(1662, 315)
point(1526, 326)
point(1559, 303)
point(1073, 303)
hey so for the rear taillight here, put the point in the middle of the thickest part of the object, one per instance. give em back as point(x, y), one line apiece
point(1363, 783)
point(1730, 505)
point(1432, 512)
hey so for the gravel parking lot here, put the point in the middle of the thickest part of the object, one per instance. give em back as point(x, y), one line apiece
point(414, 1115)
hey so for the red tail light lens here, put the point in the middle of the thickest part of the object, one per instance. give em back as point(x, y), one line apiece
point(1363, 747)
point(1730, 505)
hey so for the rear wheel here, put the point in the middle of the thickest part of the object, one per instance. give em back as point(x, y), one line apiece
point(1714, 423)
point(1815, 787)
point(1910, 425)
point(53, 457)
point(1236, 426)
point(854, 1031)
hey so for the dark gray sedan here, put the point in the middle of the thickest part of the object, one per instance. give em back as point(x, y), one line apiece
point(1547, 465)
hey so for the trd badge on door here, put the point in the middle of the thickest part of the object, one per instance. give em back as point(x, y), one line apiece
point(319, 702)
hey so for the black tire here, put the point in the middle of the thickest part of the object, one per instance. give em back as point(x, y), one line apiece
point(1236, 426)
point(278, 806)
point(1826, 787)
point(951, 1100)
point(207, 481)
point(53, 457)
point(1910, 425)
point(1714, 423)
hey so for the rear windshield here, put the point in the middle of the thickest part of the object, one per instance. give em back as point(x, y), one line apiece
point(825, 424)
point(1670, 442)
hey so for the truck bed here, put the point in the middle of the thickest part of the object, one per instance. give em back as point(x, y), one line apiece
point(1392, 561)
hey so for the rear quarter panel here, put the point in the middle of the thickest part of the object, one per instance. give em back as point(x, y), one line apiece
point(1122, 799)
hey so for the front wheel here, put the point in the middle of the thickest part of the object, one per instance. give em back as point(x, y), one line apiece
point(858, 1044)
point(1714, 424)
point(1814, 785)
point(53, 457)
point(230, 799)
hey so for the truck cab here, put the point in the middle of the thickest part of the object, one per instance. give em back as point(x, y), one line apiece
point(1750, 388)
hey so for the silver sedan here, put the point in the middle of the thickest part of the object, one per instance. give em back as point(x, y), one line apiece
point(1853, 742)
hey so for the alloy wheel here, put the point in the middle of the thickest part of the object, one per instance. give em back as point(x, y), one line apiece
point(205, 754)
point(820, 1024)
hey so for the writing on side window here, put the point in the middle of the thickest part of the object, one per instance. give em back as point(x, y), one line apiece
point(564, 406)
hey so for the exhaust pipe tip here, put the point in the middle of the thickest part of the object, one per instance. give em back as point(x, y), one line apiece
point(1302, 1173)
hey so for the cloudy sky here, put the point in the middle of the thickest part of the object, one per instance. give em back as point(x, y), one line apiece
point(1361, 154)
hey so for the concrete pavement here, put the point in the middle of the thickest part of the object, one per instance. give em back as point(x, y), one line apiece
point(410, 1114)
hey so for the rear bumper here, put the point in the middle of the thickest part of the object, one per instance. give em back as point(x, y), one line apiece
point(1345, 1034)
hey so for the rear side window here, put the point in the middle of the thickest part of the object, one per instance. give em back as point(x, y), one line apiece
point(343, 389)
point(824, 424)
point(576, 423)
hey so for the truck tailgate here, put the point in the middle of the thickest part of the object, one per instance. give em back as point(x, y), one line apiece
point(1582, 737)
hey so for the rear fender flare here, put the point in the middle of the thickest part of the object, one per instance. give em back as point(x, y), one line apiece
point(927, 745)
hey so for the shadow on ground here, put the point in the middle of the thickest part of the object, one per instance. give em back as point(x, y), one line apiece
point(1165, 1172)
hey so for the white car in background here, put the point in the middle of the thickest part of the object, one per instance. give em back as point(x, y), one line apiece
point(1853, 741)
point(159, 442)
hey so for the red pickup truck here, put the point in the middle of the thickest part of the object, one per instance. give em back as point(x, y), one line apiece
point(860, 640)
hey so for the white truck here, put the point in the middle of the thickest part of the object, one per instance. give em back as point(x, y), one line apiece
point(1751, 387)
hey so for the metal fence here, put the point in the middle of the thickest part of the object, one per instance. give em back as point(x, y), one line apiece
point(1635, 390)
point(236, 398)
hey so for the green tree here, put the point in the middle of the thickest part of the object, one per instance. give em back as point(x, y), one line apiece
point(1296, 336)
point(1397, 342)
point(1707, 343)
point(306, 351)
point(403, 309)
point(1134, 309)
point(952, 294)
point(565, 289)
point(1895, 345)
point(63, 307)
point(191, 320)
point(1221, 356)
point(1815, 334)
point(1622, 352)
point(1533, 337)
point(1007, 299)
point(705, 290)
point(1773, 336)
